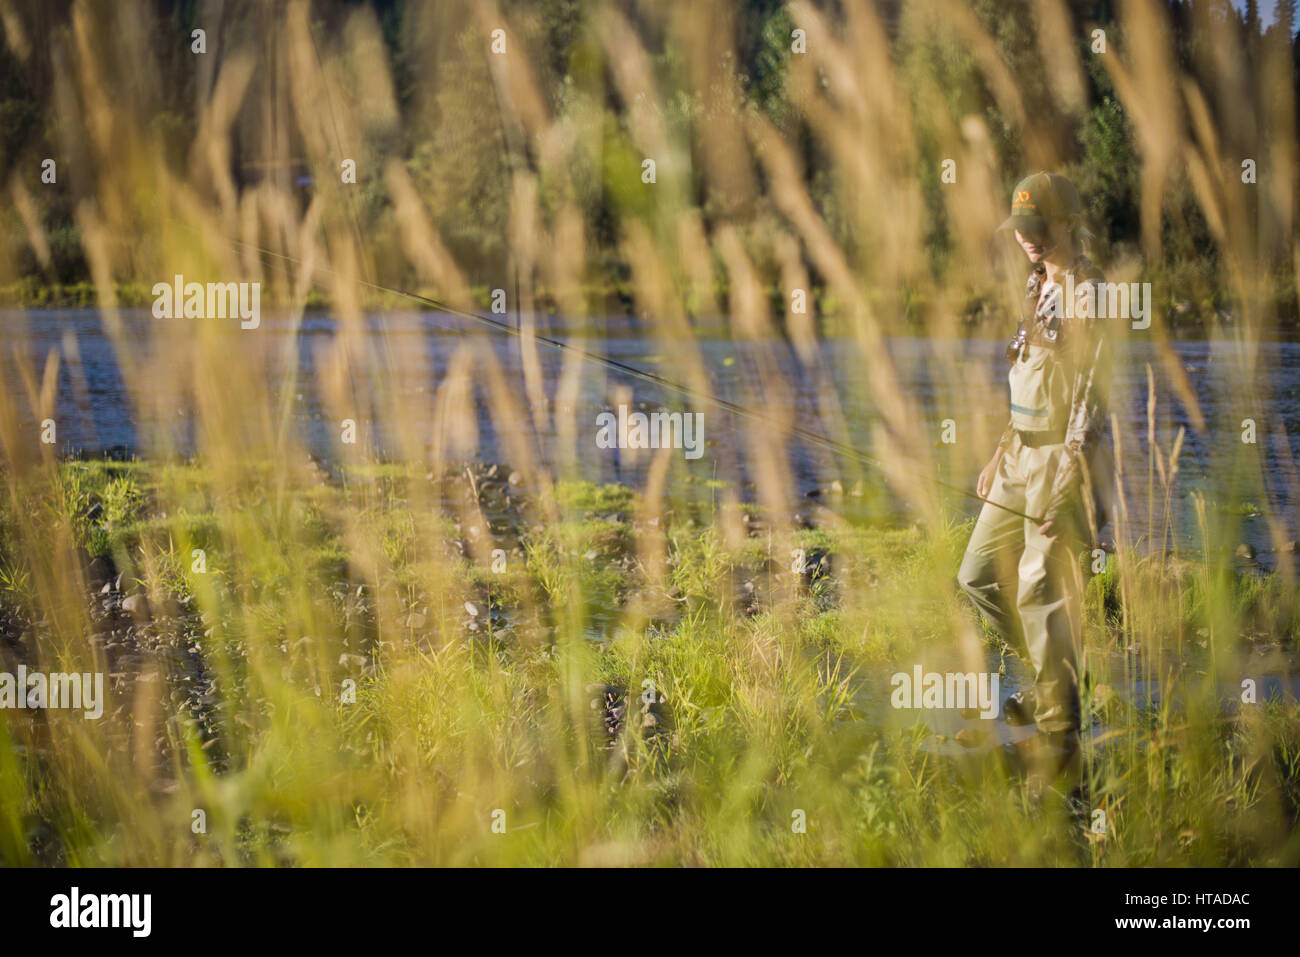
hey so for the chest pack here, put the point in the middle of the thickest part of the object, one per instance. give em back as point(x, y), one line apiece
point(1040, 374)
point(1040, 390)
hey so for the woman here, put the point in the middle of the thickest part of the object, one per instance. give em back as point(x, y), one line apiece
point(1051, 462)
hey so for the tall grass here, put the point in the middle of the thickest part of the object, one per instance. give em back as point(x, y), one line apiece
point(387, 654)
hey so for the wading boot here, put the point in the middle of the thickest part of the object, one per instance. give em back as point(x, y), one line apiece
point(1057, 764)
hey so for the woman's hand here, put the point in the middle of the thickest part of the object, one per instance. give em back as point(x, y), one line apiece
point(984, 484)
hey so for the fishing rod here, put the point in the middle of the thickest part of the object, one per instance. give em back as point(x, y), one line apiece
point(808, 435)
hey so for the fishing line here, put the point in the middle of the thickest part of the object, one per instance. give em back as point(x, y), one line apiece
point(559, 345)
point(808, 435)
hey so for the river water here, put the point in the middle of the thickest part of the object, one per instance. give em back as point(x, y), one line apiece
point(960, 383)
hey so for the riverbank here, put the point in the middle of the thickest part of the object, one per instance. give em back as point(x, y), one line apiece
point(366, 666)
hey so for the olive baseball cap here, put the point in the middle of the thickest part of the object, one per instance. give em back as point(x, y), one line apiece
point(1039, 200)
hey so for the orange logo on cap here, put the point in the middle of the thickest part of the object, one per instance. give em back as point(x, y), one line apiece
point(1022, 196)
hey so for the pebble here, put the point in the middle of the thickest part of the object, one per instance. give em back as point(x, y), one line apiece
point(137, 606)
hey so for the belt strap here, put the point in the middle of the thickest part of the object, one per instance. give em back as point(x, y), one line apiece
point(1037, 439)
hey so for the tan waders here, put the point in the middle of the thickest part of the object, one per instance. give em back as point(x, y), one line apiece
point(1027, 585)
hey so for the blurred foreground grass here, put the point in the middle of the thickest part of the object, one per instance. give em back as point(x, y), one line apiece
point(522, 691)
point(374, 663)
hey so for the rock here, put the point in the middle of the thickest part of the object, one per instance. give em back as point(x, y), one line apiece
point(1246, 552)
point(1292, 547)
point(471, 609)
point(137, 606)
point(612, 710)
point(969, 737)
